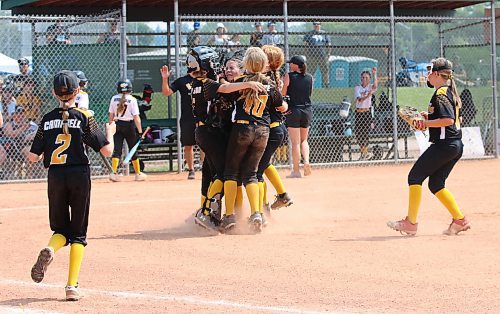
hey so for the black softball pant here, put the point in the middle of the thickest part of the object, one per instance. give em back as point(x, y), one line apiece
point(276, 137)
point(246, 146)
point(362, 127)
point(124, 130)
point(436, 163)
point(213, 141)
point(69, 201)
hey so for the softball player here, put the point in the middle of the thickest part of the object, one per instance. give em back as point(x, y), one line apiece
point(276, 59)
point(248, 138)
point(436, 163)
point(82, 99)
point(59, 142)
point(124, 110)
point(202, 62)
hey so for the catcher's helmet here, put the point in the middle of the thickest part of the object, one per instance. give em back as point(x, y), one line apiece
point(124, 86)
point(203, 58)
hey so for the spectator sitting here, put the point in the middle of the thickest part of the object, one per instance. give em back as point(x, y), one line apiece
point(193, 37)
point(234, 41)
point(113, 35)
point(29, 100)
point(272, 37)
point(20, 132)
point(57, 34)
point(468, 107)
point(256, 37)
point(8, 102)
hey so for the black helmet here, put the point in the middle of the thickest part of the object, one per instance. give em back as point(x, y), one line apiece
point(203, 58)
point(81, 76)
point(124, 86)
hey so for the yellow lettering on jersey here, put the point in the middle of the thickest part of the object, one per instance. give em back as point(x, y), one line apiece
point(58, 158)
point(255, 105)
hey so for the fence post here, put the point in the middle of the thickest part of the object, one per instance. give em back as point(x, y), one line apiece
point(494, 75)
point(177, 30)
point(123, 41)
point(394, 83)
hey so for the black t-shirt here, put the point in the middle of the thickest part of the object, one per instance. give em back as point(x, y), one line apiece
point(443, 106)
point(276, 116)
point(60, 149)
point(183, 85)
point(299, 89)
point(258, 110)
point(203, 94)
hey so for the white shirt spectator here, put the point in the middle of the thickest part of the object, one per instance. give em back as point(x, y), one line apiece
point(360, 91)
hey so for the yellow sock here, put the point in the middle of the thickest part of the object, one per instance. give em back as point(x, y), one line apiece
point(114, 164)
point(203, 199)
point(264, 198)
point(415, 197)
point(215, 188)
point(253, 196)
point(230, 191)
point(447, 199)
point(75, 261)
point(57, 241)
point(136, 165)
point(275, 179)
point(261, 195)
point(238, 203)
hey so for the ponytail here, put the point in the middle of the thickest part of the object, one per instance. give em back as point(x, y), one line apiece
point(121, 104)
point(445, 71)
point(65, 116)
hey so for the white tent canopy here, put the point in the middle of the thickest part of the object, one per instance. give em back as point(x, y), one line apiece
point(8, 65)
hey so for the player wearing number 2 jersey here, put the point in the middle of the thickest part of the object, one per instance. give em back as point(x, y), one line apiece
point(60, 141)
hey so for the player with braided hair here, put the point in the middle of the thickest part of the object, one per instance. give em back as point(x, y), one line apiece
point(277, 132)
point(60, 141)
point(443, 121)
point(124, 110)
point(248, 138)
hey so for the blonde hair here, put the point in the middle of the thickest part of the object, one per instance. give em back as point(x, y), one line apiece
point(448, 75)
point(254, 62)
point(121, 104)
point(275, 59)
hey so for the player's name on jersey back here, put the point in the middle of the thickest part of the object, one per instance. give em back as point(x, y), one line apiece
point(58, 123)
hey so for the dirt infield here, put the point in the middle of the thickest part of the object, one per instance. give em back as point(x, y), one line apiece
point(330, 251)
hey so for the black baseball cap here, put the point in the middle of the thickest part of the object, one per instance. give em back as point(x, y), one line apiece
point(65, 83)
point(298, 60)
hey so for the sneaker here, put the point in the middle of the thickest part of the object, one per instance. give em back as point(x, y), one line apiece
point(38, 270)
point(141, 176)
point(293, 175)
point(266, 209)
point(216, 208)
point(403, 226)
point(283, 200)
point(255, 221)
point(72, 293)
point(227, 223)
point(191, 175)
point(457, 226)
point(114, 177)
point(264, 220)
point(204, 221)
point(307, 169)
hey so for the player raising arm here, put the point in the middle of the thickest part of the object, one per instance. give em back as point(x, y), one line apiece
point(59, 142)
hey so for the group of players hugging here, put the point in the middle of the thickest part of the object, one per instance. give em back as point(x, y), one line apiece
point(238, 110)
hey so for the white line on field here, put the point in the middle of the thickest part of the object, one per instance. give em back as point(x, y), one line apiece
point(93, 204)
point(22, 309)
point(169, 298)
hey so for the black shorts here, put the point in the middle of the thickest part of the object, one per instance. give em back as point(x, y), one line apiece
point(187, 132)
point(362, 127)
point(299, 117)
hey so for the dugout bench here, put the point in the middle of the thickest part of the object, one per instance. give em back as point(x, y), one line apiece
point(166, 151)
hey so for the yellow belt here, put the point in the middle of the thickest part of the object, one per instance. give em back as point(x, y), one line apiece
point(199, 123)
point(243, 121)
point(274, 124)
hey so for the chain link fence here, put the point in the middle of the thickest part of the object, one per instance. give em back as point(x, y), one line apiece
point(36, 48)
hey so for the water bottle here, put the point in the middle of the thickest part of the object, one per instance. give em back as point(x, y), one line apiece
point(344, 107)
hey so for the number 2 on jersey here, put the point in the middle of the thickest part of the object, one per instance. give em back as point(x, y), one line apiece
point(58, 158)
point(255, 105)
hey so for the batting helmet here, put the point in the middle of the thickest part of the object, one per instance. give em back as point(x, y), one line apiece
point(81, 76)
point(124, 86)
point(203, 58)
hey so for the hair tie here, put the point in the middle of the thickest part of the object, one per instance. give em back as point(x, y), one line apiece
point(65, 121)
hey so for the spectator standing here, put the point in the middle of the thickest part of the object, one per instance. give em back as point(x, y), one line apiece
point(112, 36)
point(272, 37)
point(219, 39)
point(298, 85)
point(57, 34)
point(363, 119)
point(318, 50)
point(193, 37)
point(256, 37)
point(187, 121)
point(234, 41)
point(24, 75)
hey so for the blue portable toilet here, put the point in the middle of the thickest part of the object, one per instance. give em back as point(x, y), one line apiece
point(357, 65)
point(339, 71)
point(317, 81)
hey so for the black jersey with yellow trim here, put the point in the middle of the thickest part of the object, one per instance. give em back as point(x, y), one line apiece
point(203, 95)
point(441, 106)
point(276, 116)
point(60, 149)
point(257, 110)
